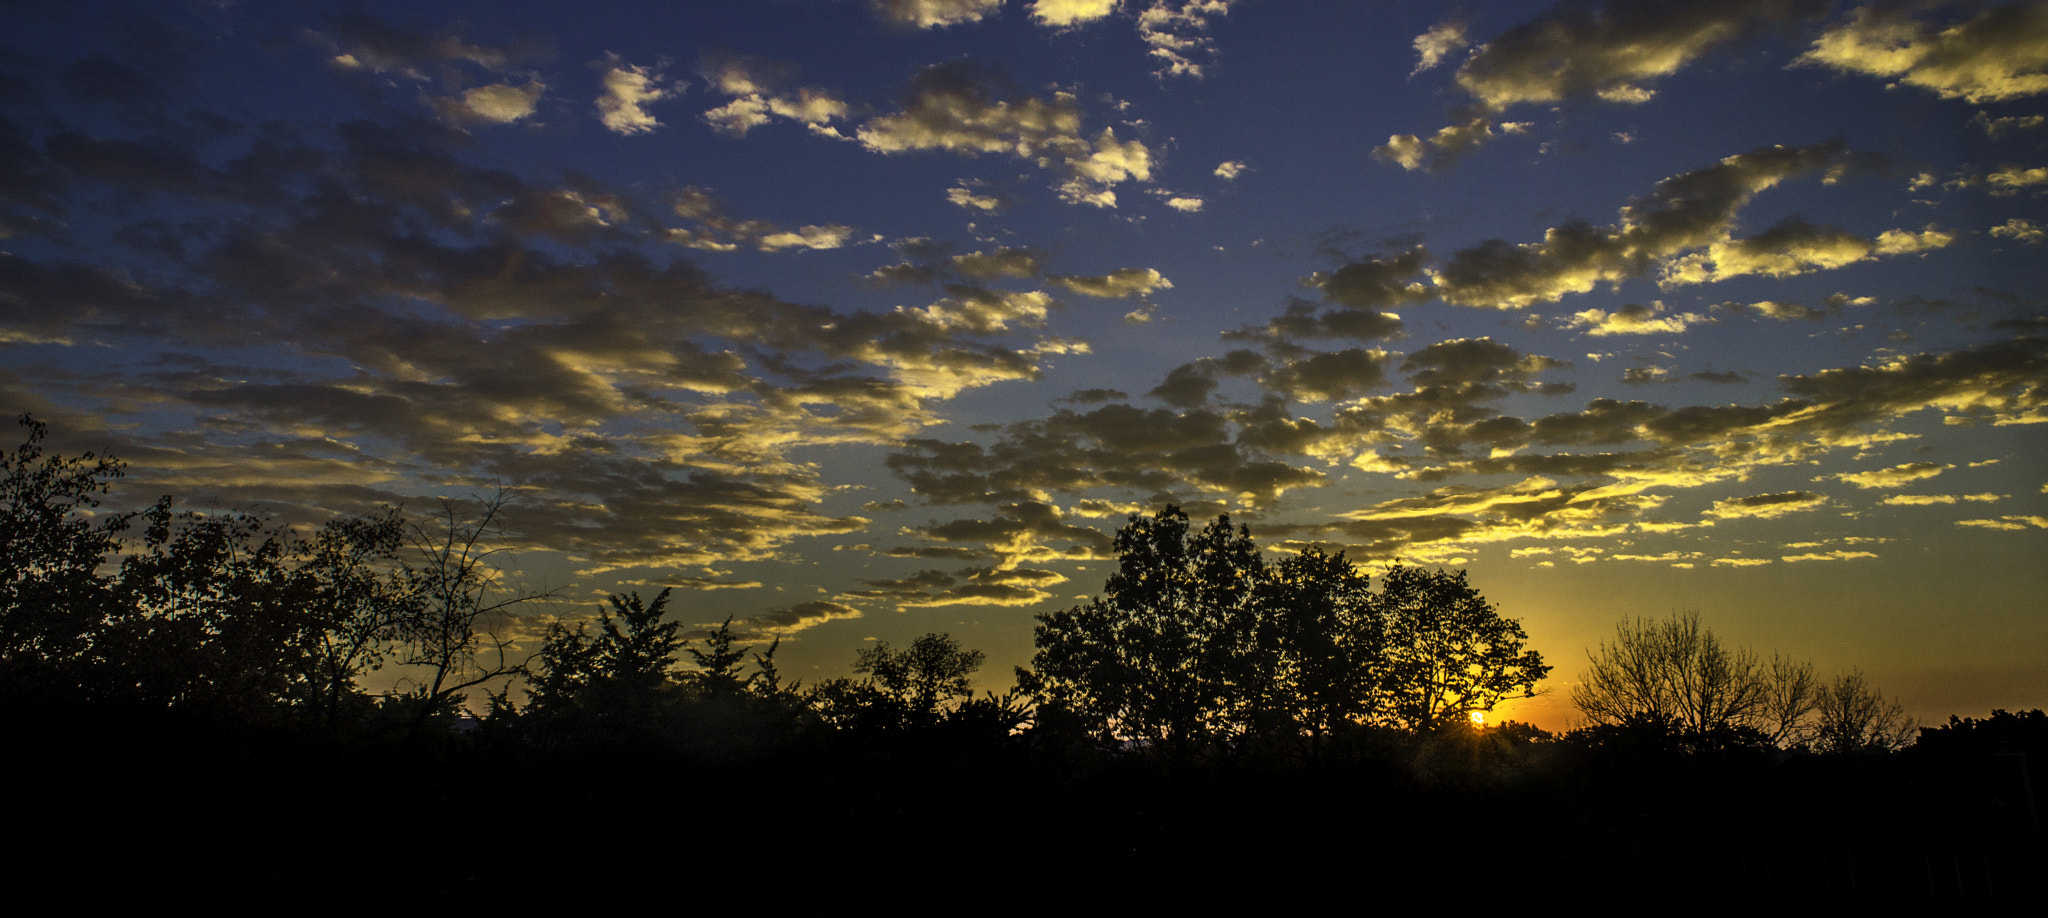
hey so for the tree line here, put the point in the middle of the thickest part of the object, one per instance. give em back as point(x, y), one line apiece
point(1212, 713)
point(1198, 645)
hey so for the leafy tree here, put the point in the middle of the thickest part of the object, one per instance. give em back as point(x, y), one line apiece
point(933, 670)
point(51, 550)
point(1674, 675)
point(351, 577)
point(631, 656)
point(1449, 652)
point(920, 689)
point(209, 615)
point(1170, 654)
point(1855, 718)
point(1331, 645)
point(1197, 642)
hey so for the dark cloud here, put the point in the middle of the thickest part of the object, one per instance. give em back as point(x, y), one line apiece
point(1614, 50)
point(791, 620)
point(1679, 229)
point(1330, 376)
point(1767, 505)
point(1306, 320)
point(965, 108)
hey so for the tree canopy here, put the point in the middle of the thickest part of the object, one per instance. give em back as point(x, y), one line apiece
point(1197, 641)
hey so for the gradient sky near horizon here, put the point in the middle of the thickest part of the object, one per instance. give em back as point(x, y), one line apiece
point(859, 319)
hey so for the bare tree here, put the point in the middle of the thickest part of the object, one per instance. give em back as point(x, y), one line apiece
point(1855, 717)
point(452, 629)
point(1675, 673)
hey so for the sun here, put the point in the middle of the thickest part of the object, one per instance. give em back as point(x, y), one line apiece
point(1478, 718)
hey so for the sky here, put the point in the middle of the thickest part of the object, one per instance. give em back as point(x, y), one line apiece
point(854, 320)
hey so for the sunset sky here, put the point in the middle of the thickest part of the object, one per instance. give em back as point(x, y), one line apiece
point(860, 319)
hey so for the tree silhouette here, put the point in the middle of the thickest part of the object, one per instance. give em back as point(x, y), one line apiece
point(629, 658)
point(1675, 676)
point(1169, 654)
point(452, 631)
point(1331, 645)
point(1449, 652)
point(1855, 718)
point(52, 588)
point(1197, 643)
point(933, 670)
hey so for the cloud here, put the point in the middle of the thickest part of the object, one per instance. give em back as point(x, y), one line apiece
point(1634, 319)
point(1062, 13)
point(962, 108)
point(1614, 50)
point(1004, 262)
point(1118, 284)
point(1893, 477)
point(1229, 170)
point(1766, 506)
point(759, 95)
point(1440, 41)
point(628, 90)
point(450, 324)
point(1795, 247)
point(2009, 179)
point(1996, 128)
point(1185, 205)
point(966, 198)
point(1999, 54)
point(1836, 555)
point(1152, 451)
point(1680, 228)
point(1783, 312)
point(783, 622)
point(1331, 375)
point(497, 103)
point(2020, 229)
point(362, 42)
point(1174, 32)
point(1926, 500)
point(1446, 146)
point(713, 230)
point(1305, 320)
point(806, 237)
point(932, 14)
point(2008, 523)
point(1019, 532)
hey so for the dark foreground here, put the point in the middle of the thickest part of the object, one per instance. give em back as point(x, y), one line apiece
point(149, 810)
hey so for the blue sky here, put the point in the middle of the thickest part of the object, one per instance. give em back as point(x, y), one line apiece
point(857, 320)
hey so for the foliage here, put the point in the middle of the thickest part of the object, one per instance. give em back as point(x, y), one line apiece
point(1449, 653)
point(1169, 654)
point(2003, 731)
point(1332, 644)
point(631, 656)
point(934, 669)
point(1674, 674)
point(351, 586)
point(210, 615)
point(51, 549)
point(623, 685)
point(1197, 643)
point(919, 686)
